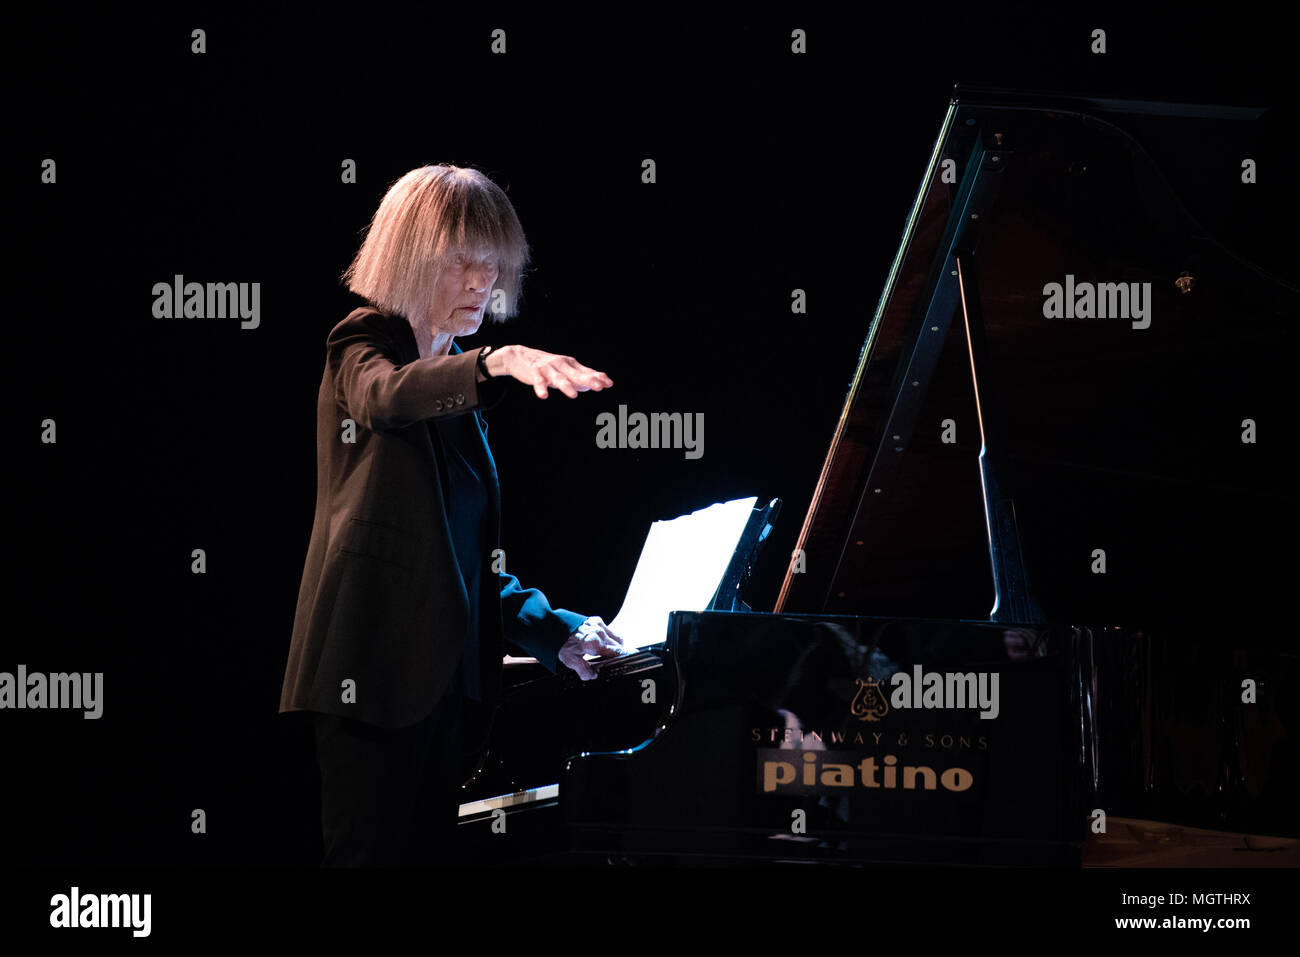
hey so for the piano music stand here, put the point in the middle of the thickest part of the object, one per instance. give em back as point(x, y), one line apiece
point(727, 597)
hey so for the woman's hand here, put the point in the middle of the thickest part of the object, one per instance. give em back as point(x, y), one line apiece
point(543, 370)
point(592, 637)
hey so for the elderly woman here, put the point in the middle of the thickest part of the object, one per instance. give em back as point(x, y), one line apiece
point(405, 606)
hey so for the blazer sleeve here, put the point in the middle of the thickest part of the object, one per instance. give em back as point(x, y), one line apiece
point(532, 624)
point(382, 394)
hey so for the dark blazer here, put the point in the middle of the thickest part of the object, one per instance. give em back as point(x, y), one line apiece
point(382, 601)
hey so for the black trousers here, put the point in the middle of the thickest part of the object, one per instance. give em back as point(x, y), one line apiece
point(390, 797)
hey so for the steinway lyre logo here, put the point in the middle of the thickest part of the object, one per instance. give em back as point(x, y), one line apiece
point(868, 703)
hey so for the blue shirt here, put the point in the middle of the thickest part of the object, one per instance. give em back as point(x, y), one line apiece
point(456, 442)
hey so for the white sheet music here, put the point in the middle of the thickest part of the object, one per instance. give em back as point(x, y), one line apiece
point(681, 565)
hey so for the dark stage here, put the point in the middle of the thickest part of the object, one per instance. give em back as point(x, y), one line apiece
point(738, 285)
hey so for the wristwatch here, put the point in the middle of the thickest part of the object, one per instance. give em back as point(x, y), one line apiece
point(482, 361)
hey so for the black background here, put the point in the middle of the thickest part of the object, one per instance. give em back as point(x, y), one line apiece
point(774, 172)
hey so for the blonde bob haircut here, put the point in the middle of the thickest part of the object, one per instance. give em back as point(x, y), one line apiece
point(426, 217)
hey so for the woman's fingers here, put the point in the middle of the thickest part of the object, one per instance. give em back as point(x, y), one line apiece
point(603, 641)
point(561, 381)
point(545, 371)
point(570, 380)
point(585, 377)
point(572, 658)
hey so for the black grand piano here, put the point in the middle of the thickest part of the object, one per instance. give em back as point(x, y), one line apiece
point(1038, 598)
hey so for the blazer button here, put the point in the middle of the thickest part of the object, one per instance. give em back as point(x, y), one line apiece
point(450, 401)
point(460, 398)
point(437, 405)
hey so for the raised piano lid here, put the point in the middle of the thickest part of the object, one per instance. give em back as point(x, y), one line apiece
point(1117, 438)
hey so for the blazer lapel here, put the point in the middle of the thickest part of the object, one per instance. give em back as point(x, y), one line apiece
point(405, 337)
point(411, 352)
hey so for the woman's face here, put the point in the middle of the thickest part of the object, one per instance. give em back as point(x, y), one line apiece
point(461, 296)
